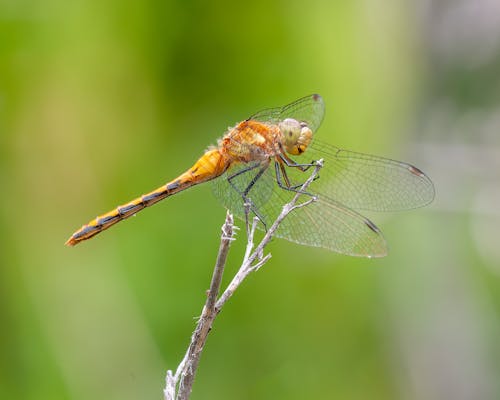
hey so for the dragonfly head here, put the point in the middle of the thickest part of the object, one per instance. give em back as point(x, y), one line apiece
point(296, 135)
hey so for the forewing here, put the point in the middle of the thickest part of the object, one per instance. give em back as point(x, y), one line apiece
point(356, 180)
point(309, 109)
point(366, 182)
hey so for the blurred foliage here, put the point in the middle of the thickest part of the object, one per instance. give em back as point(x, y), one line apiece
point(102, 101)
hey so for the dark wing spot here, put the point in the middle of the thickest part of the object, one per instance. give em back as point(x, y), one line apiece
point(372, 226)
point(415, 171)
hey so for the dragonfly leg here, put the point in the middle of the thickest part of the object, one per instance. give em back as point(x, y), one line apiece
point(302, 167)
point(247, 201)
point(284, 181)
point(292, 163)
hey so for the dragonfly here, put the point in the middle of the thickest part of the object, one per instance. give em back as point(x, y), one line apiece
point(261, 163)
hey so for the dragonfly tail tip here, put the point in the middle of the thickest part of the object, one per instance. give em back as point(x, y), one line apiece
point(71, 242)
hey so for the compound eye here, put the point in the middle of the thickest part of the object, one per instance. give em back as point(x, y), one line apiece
point(289, 124)
point(290, 127)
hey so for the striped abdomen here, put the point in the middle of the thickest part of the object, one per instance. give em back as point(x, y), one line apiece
point(211, 165)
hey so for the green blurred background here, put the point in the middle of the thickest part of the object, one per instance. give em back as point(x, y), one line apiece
point(103, 101)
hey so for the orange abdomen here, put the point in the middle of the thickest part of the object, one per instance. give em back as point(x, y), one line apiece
point(211, 165)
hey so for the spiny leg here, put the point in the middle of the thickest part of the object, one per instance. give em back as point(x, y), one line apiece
point(302, 167)
point(247, 201)
point(286, 185)
point(292, 163)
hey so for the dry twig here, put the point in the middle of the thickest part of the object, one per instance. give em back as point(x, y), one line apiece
point(179, 385)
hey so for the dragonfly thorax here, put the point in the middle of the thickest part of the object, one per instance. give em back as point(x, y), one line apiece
point(296, 135)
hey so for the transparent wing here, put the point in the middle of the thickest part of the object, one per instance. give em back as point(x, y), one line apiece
point(324, 223)
point(309, 109)
point(359, 181)
point(366, 182)
point(347, 181)
point(334, 227)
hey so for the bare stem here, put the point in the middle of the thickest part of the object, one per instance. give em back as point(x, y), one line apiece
point(188, 366)
point(179, 386)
